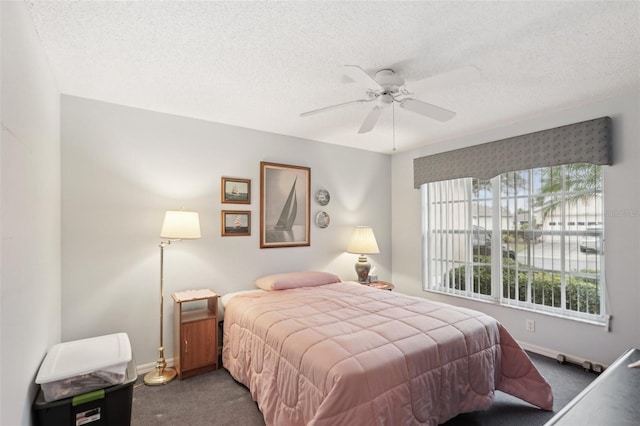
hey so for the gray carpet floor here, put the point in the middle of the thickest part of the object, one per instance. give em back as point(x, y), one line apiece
point(216, 399)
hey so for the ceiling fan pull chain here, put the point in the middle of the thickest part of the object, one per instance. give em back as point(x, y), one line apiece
point(393, 118)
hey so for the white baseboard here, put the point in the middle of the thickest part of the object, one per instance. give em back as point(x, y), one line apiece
point(573, 359)
point(538, 350)
point(143, 369)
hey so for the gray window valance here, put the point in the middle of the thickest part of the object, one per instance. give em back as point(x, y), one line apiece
point(585, 142)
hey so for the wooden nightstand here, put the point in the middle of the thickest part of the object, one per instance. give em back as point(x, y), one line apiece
point(382, 285)
point(195, 333)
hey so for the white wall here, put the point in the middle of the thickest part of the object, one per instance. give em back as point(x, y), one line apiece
point(30, 213)
point(622, 224)
point(123, 167)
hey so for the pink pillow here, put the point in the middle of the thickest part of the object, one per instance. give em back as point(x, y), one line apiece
point(296, 279)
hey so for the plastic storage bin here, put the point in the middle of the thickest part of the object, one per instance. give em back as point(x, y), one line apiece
point(77, 367)
point(110, 406)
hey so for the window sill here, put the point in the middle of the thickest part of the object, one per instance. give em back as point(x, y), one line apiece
point(596, 321)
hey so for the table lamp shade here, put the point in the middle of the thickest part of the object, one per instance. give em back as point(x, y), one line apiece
point(180, 225)
point(363, 241)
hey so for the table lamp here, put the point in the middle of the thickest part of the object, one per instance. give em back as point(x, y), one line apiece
point(363, 242)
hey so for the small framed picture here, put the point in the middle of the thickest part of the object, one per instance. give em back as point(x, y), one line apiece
point(235, 223)
point(236, 191)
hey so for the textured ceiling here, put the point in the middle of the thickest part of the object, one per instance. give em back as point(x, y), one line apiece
point(260, 64)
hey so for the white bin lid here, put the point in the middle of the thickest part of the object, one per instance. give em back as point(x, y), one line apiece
point(84, 356)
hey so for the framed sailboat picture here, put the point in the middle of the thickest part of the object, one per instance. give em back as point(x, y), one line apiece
point(284, 205)
point(236, 223)
point(236, 191)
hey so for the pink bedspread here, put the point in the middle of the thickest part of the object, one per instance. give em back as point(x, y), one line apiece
point(347, 354)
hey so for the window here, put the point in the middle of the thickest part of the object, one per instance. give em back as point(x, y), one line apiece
point(513, 239)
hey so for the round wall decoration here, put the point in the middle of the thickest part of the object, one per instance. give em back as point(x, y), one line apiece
point(322, 219)
point(323, 197)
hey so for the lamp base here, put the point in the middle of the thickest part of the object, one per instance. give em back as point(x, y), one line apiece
point(154, 378)
point(161, 375)
point(362, 269)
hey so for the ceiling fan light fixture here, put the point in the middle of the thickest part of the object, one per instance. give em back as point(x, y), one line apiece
point(386, 98)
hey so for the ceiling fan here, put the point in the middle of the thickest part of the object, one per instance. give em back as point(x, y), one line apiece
point(387, 87)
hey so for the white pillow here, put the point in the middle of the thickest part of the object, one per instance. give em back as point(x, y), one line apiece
point(296, 279)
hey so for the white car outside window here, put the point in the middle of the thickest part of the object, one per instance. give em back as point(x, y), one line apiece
point(592, 242)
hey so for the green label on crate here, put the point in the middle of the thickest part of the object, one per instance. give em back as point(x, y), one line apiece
point(87, 397)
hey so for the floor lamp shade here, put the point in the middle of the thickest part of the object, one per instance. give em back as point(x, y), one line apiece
point(363, 242)
point(178, 225)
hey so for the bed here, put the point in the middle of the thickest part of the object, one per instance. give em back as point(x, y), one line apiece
point(313, 350)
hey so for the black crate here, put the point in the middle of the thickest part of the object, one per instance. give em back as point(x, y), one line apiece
point(110, 406)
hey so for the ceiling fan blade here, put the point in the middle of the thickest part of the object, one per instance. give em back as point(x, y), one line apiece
point(456, 77)
point(426, 109)
point(328, 108)
point(359, 75)
point(370, 120)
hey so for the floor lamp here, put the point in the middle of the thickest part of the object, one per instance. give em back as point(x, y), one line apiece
point(177, 225)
